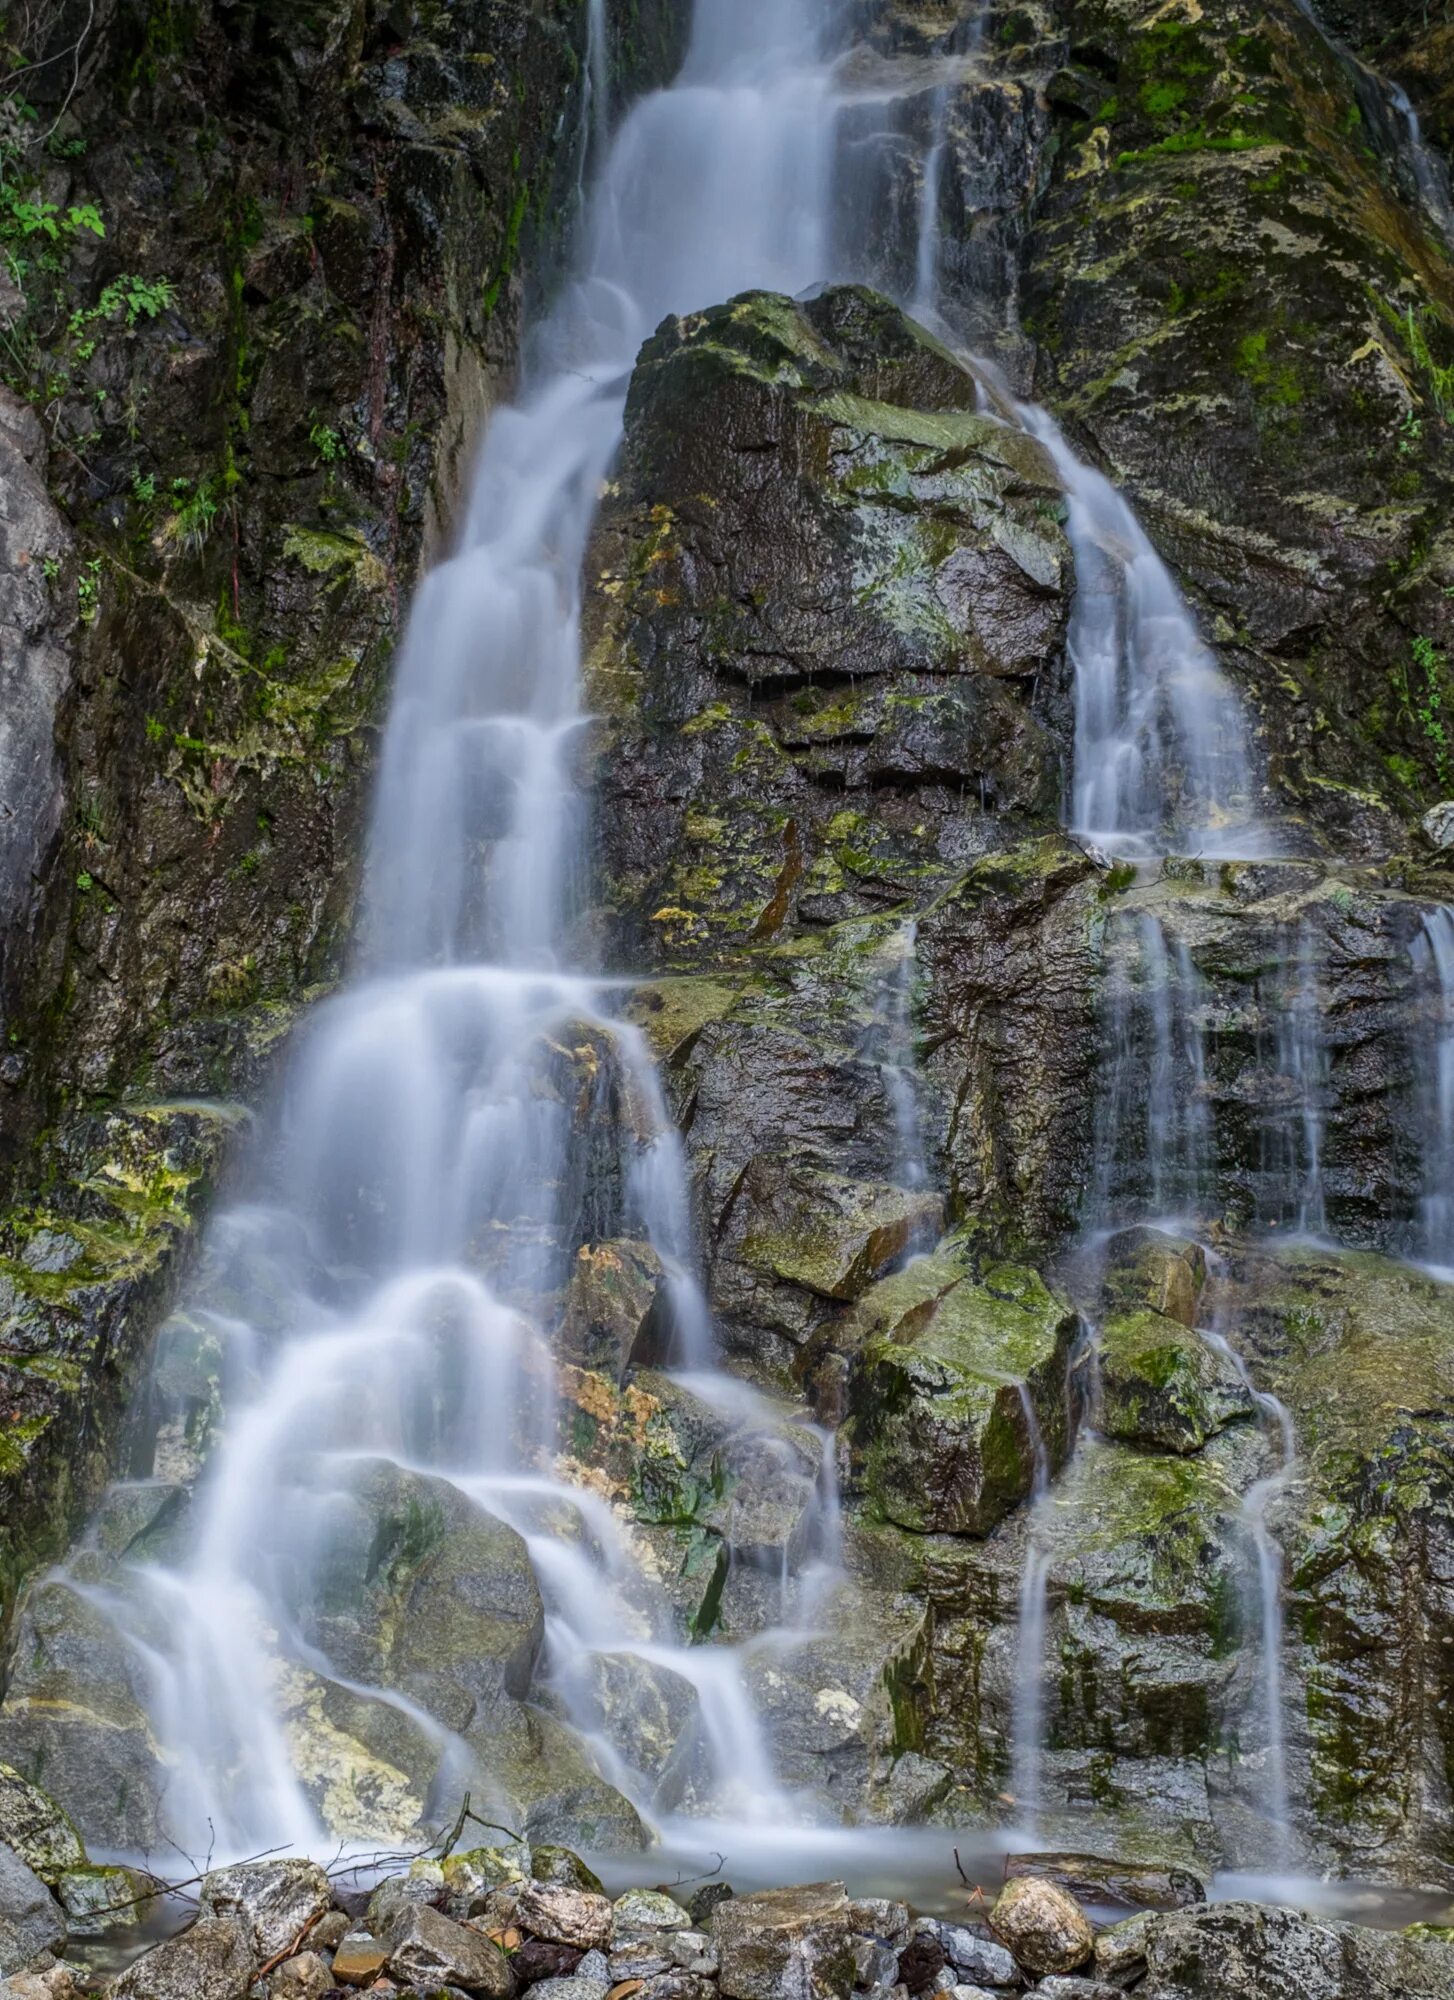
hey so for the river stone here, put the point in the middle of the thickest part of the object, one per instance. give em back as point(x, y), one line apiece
point(36, 1828)
point(980, 1960)
point(213, 1960)
point(1067, 1986)
point(275, 1900)
point(1045, 1929)
point(359, 1959)
point(1438, 824)
point(562, 1867)
point(305, 1977)
point(1092, 1879)
point(471, 1876)
point(1248, 1951)
point(31, 1921)
point(98, 1901)
point(574, 1986)
point(648, 1910)
point(563, 1915)
point(879, 1917)
point(785, 1944)
point(1121, 1950)
point(1163, 1386)
point(428, 1949)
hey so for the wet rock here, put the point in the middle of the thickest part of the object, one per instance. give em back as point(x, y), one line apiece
point(1045, 1929)
point(1091, 1879)
point(99, 1901)
point(398, 1894)
point(1147, 1269)
point(275, 1901)
point(536, 1959)
point(35, 1827)
point(961, 1396)
point(1438, 824)
point(31, 1921)
point(214, 1960)
point(470, 1876)
point(306, 1977)
point(428, 1949)
point(562, 1868)
point(1245, 1950)
point(1163, 1386)
point(703, 1901)
point(613, 1292)
point(565, 1915)
point(785, 1944)
point(648, 1910)
point(978, 1959)
point(922, 1960)
point(1121, 1950)
point(359, 1959)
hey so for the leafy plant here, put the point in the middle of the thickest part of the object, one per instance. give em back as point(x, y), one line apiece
point(327, 443)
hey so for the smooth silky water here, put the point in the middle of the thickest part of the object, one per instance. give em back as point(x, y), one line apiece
point(418, 1183)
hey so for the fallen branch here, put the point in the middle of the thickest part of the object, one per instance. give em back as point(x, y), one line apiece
point(289, 1950)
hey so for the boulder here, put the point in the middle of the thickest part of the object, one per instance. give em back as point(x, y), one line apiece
point(564, 1915)
point(575, 1986)
point(648, 1910)
point(305, 1977)
point(959, 1404)
point(1091, 1879)
point(470, 1876)
point(275, 1901)
point(1163, 1385)
point(978, 1959)
point(1146, 1269)
point(33, 1826)
point(1044, 1928)
point(98, 1901)
point(609, 1305)
point(785, 1944)
point(214, 1960)
point(1248, 1951)
point(429, 1950)
point(31, 1921)
point(359, 1959)
point(562, 1868)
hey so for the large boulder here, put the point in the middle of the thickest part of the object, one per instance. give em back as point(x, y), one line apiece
point(32, 1923)
point(785, 1944)
point(1246, 1951)
point(1162, 1385)
point(959, 1393)
point(1043, 1926)
point(274, 1901)
point(36, 1828)
point(214, 1960)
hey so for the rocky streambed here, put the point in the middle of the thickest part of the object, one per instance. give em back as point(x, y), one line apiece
point(497, 1922)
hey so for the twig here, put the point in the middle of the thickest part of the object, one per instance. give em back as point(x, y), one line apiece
point(289, 1950)
point(707, 1875)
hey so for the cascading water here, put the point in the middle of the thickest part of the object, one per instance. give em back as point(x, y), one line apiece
point(1291, 1168)
point(1155, 1150)
point(1433, 1068)
point(891, 1044)
point(432, 1179)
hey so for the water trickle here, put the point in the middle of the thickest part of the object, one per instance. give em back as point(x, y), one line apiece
point(1161, 758)
point(1276, 1420)
point(890, 1043)
point(1028, 1709)
point(1155, 1147)
point(1296, 1070)
point(1432, 1062)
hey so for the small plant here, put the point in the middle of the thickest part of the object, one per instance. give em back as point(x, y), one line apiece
point(144, 486)
point(1428, 701)
point(195, 512)
point(1410, 432)
point(88, 590)
point(327, 443)
point(136, 298)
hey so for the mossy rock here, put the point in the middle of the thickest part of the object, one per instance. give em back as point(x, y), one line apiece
point(1163, 1386)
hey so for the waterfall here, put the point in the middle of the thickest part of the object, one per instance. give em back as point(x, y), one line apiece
point(1291, 1193)
point(891, 1045)
point(1432, 1058)
point(1155, 1146)
point(430, 1177)
point(1277, 1423)
point(1028, 1707)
